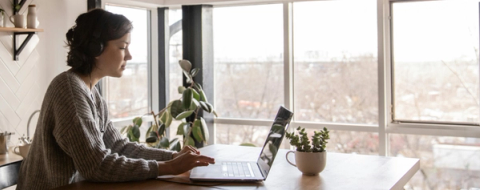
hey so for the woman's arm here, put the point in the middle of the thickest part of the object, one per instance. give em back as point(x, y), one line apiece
point(82, 141)
point(114, 141)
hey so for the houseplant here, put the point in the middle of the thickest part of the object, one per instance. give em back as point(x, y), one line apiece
point(192, 101)
point(310, 156)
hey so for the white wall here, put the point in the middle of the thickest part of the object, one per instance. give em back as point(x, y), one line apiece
point(23, 83)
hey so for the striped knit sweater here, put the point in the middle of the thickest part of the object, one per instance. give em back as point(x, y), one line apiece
point(75, 135)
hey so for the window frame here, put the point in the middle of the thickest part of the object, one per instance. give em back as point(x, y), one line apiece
point(386, 124)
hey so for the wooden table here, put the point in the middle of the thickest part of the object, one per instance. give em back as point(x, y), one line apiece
point(343, 171)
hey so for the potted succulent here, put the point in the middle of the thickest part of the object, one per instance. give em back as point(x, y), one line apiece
point(192, 101)
point(310, 156)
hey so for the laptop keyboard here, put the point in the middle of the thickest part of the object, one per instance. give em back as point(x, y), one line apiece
point(237, 169)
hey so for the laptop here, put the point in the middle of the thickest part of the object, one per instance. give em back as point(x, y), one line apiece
point(244, 171)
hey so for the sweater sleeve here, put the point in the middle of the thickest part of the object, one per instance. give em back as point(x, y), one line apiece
point(114, 141)
point(84, 144)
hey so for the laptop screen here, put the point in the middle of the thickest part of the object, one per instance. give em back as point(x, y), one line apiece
point(274, 139)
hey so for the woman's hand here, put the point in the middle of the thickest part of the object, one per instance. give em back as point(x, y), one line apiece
point(183, 161)
point(186, 149)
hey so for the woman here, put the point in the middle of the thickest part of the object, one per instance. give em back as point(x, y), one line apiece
point(74, 139)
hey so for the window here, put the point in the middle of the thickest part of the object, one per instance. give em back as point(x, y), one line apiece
point(129, 95)
point(175, 54)
point(176, 48)
point(352, 61)
point(248, 58)
point(435, 61)
point(335, 61)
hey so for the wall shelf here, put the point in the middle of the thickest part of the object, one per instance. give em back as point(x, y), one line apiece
point(20, 31)
point(11, 29)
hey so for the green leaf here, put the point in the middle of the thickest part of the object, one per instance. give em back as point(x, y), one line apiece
point(164, 143)
point(188, 76)
point(130, 135)
point(148, 132)
point(151, 139)
point(194, 72)
point(163, 117)
point(189, 141)
point(204, 128)
point(215, 113)
point(197, 86)
point(203, 97)
point(168, 119)
point(194, 105)
point(180, 128)
point(196, 96)
point(161, 129)
point(210, 107)
point(177, 146)
point(197, 131)
point(176, 108)
point(181, 89)
point(152, 134)
point(136, 131)
point(173, 141)
point(138, 121)
point(204, 106)
point(184, 114)
point(185, 65)
point(196, 102)
point(187, 98)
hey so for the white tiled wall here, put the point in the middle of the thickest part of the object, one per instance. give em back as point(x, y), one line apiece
point(19, 80)
point(23, 83)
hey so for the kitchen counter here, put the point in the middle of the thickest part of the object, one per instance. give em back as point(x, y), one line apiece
point(9, 168)
point(10, 157)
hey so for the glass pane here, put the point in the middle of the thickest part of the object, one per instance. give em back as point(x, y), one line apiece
point(248, 48)
point(175, 17)
point(128, 96)
point(335, 61)
point(445, 162)
point(247, 135)
point(435, 57)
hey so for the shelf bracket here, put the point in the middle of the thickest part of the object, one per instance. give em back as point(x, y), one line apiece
point(16, 51)
point(15, 2)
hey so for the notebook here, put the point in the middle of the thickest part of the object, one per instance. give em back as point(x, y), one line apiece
point(244, 171)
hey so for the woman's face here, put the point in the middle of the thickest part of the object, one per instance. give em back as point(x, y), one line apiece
point(114, 58)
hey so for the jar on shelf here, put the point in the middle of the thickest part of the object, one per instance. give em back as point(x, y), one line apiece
point(32, 17)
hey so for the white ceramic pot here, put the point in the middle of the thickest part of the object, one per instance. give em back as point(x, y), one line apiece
point(309, 163)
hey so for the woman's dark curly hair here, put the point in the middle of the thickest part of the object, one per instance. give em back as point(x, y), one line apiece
point(89, 36)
